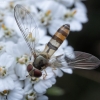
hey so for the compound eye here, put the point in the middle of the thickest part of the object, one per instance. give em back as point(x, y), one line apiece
point(29, 67)
point(37, 73)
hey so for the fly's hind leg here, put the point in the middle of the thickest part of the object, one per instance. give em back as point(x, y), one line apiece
point(44, 75)
point(53, 68)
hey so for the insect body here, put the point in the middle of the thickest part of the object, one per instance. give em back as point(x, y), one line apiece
point(51, 47)
point(29, 30)
point(41, 60)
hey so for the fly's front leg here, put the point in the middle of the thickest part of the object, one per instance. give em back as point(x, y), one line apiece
point(34, 54)
point(28, 76)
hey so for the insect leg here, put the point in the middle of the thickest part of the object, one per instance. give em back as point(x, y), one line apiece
point(44, 75)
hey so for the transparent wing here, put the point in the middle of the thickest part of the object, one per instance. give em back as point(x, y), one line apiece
point(83, 60)
point(27, 25)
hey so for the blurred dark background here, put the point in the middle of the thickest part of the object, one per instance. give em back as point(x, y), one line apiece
point(82, 84)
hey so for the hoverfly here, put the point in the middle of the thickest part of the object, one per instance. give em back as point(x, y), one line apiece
point(29, 30)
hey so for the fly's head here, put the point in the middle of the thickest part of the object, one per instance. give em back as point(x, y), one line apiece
point(33, 72)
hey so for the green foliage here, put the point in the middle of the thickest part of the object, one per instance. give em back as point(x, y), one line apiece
point(55, 91)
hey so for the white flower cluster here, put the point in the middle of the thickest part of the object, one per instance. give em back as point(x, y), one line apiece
point(15, 82)
point(54, 13)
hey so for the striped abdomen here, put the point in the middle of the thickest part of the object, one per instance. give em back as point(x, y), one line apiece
point(57, 39)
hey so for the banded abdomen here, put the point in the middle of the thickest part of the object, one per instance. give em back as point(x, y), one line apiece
point(57, 39)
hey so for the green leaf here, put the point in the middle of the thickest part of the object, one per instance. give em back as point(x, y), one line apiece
point(55, 91)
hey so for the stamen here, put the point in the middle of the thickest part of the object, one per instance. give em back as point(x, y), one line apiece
point(48, 13)
point(46, 17)
point(5, 92)
point(11, 4)
point(3, 26)
point(34, 80)
point(42, 20)
point(30, 37)
point(7, 31)
point(23, 59)
point(31, 96)
point(2, 72)
point(74, 12)
point(70, 14)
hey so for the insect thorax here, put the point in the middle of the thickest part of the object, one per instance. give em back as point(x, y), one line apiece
point(40, 61)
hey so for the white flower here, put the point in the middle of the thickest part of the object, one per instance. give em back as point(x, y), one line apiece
point(48, 14)
point(7, 75)
point(70, 3)
point(42, 85)
point(67, 3)
point(69, 52)
point(8, 33)
point(21, 55)
point(9, 5)
point(74, 17)
point(15, 94)
point(3, 97)
point(31, 94)
point(3, 46)
point(2, 15)
point(80, 5)
point(52, 19)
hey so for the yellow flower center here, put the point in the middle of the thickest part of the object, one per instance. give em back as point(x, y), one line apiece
point(70, 14)
point(2, 71)
point(1, 16)
point(3, 26)
point(31, 96)
point(1, 47)
point(48, 13)
point(23, 59)
point(46, 17)
point(30, 37)
point(34, 80)
point(7, 31)
point(11, 4)
point(5, 92)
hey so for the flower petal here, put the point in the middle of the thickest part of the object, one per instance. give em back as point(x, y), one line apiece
point(66, 70)
point(42, 98)
point(41, 86)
